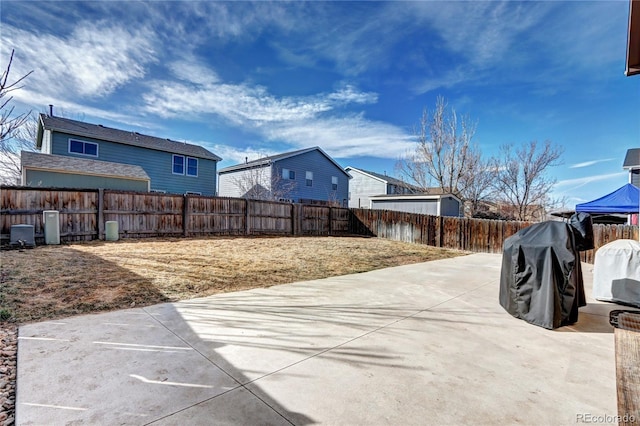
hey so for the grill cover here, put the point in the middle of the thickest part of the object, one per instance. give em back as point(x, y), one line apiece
point(541, 278)
point(616, 273)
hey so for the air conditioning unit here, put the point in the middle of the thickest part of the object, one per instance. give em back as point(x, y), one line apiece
point(22, 236)
point(51, 220)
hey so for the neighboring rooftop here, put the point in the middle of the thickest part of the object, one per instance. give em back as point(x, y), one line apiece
point(388, 179)
point(423, 196)
point(50, 162)
point(98, 131)
point(265, 161)
point(632, 159)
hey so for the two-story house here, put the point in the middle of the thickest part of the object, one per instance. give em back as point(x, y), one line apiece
point(307, 176)
point(632, 163)
point(75, 154)
point(365, 184)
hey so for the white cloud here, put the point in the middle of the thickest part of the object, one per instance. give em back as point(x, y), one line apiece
point(588, 163)
point(234, 155)
point(578, 182)
point(348, 136)
point(92, 61)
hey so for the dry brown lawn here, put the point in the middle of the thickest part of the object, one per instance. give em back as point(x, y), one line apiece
point(57, 281)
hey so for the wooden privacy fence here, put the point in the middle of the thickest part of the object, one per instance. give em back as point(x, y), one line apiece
point(477, 235)
point(83, 214)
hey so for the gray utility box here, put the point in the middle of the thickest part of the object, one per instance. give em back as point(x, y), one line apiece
point(51, 220)
point(22, 235)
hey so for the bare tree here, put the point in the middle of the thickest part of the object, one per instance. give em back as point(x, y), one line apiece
point(521, 177)
point(444, 151)
point(446, 157)
point(263, 183)
point(478, 184)
point(24, 139)
point(11, 133)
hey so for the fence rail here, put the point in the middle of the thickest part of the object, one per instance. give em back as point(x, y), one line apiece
point(476, 235)
point(83, 214)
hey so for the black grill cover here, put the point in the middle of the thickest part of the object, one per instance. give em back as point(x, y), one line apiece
point(541, 277)
point(582, 230)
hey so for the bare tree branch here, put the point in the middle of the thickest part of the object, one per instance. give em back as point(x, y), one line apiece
point(521, 177)
point(15, 130)
point(446, 157)
point(263, 183)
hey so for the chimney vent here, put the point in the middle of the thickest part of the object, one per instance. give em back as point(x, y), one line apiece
point(50, 110)
point(246, 160)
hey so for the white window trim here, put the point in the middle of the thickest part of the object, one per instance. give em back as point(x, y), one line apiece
point(286, 174)
point(186, 168)
point(83, 142)
point(184, 165)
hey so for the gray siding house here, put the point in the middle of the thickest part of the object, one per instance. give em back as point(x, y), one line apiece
point(171, 166)
point(434, 205)
point(305, 176)
point(632, 163)
point(366, 184)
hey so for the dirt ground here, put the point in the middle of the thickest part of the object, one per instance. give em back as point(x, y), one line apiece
point(50, 282)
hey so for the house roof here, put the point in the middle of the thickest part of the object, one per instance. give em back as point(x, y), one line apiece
point(422, 196)
point(98, 131)
point(267, 161)
point(632, 159)
point(61, 163)
point(384, 178)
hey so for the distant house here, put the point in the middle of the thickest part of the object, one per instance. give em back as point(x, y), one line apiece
point(632, 163)
point(430, 204)
point(303, 176)
point(365, 184)
point(167, 165)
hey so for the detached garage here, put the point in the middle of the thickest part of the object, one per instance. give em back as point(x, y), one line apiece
point(58, 171)
point(434, 205)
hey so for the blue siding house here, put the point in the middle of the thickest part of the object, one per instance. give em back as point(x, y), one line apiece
point(306, 176)
point(171, 166)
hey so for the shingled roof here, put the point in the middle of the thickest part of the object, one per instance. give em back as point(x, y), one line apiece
point(61, 163)
point(388, 179)
point(265, 161)
point(98, 131)
point(632, 159)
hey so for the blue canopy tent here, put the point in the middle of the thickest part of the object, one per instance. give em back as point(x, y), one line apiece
point(624, 200)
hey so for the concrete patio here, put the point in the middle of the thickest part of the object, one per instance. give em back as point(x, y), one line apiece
point(417, 344)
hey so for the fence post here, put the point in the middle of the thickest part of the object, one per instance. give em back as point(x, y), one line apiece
point(185, 215)
point(296, 219)
point(439, 231)
point(330, 220)
point(100, 213)
point(247, 217)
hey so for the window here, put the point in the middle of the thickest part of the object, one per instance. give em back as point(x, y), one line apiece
point(192, 166)
point(178, 165)
point(83, 148)
point(288, 174)
point(193, 193)
point(334, 183)
point(309, 178)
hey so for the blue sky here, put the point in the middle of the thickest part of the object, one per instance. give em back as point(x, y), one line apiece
point(251, 79)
